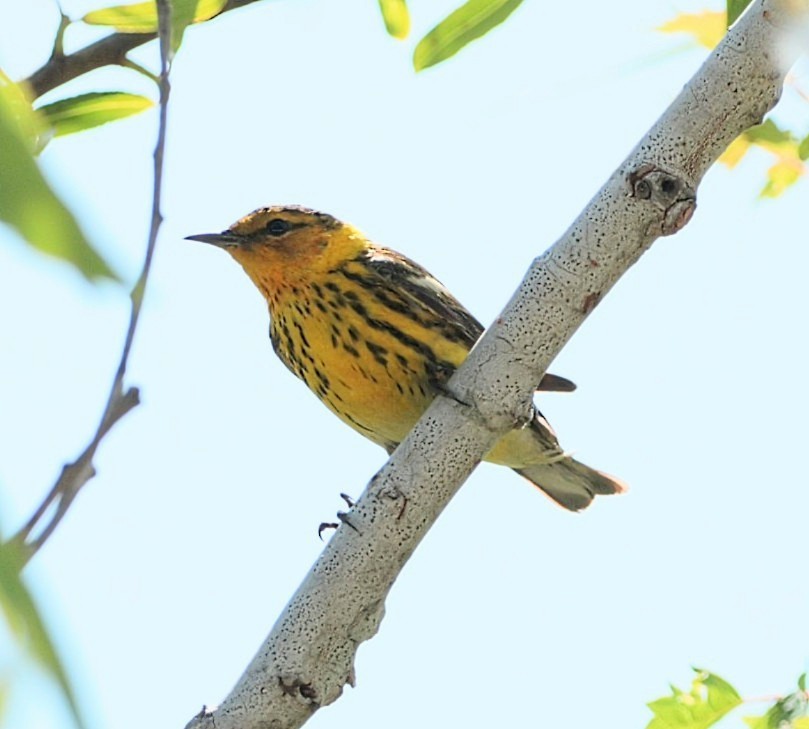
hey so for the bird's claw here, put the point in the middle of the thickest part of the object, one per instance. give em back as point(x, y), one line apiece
point(326, 525)
point(343, 517)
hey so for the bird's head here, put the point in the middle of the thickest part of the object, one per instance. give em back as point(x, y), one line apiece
point(280, 245)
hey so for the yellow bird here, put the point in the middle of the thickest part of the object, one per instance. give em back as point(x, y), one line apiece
point(376, 337)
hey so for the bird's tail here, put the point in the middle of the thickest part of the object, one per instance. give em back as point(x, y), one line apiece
point(571, 484)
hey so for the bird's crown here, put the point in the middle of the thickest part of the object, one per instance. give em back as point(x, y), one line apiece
point(276, 220)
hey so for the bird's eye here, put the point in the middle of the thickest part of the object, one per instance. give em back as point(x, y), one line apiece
point(278, 226)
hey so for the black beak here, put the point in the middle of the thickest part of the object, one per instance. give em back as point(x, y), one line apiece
point(222, 240)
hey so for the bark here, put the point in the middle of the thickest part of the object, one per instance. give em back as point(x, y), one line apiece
point(110, 51)
point(309, 655)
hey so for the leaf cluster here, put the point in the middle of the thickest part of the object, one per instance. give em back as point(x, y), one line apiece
point(788, 149)
point(710, 698)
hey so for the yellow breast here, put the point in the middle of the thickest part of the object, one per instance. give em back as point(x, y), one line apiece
point(374, 367)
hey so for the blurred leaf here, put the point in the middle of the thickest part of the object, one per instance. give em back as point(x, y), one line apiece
point(707, 27)
point(138, 290)
point(756, 722)
point(30, 127)
point(142, 17)
point(786, 713)
point(86, 111)
point(734, 9)
point(470, 21)
point(780, 176)
point(789, 163)
point(396, 16)
point(735, 151)
point(803, 148)
point(29, 205)
point(769, 132)
point(26, 623)
point(183, 13)
point(5, 691)
point(708, 701)
point(763, 722)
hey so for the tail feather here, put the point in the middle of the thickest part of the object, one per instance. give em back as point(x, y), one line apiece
point(555, 383)
point(570, 483)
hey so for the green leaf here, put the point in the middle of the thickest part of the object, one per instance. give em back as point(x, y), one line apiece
point(755, 722)
point(86, 111)
point(708, 701)
point(734, 9)
point(142, 17)
point(5, 692)
point(29, 205)
point(28, 122)
point(22, 616)
point(184, 12)
point(769, 131)
point(470, 21)
point(788, 712)
point(782, 175)
point(803, 153)
point(707, 27)
point(396, 16)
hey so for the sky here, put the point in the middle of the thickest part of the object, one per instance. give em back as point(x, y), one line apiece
point(174, 562)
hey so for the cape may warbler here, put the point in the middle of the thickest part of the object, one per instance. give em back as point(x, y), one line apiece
point(375, 337)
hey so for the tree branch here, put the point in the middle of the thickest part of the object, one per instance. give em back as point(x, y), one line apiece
point(309, 655)
point(109, 51)
point(75, 475)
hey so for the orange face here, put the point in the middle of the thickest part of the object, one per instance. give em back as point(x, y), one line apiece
point(281, 245)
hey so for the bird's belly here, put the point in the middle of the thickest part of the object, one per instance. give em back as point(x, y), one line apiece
point(374, 369)
point(383, 397)
point(379, 401)
point(376, 388)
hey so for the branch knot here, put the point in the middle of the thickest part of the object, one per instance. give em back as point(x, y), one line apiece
point(671, 194)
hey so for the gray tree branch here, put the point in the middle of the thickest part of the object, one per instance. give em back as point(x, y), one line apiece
point(109, 51)
point(309, 655)
point(74, 476)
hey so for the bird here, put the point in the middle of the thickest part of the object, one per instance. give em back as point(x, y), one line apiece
point(376, 337)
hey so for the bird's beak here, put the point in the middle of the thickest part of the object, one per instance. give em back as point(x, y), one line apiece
point(222, 240)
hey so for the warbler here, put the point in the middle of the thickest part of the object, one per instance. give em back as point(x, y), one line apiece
point(376, 337)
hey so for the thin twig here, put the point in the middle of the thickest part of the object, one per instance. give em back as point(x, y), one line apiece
point(75, 475)
point(109, 51)
point(773, 698)
point(59, 42)
point(132, 65)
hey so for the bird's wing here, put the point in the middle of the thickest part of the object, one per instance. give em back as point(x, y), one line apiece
point(426, 298)
point(424, 295)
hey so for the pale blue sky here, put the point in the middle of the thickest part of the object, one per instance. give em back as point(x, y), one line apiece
point(176, 560)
